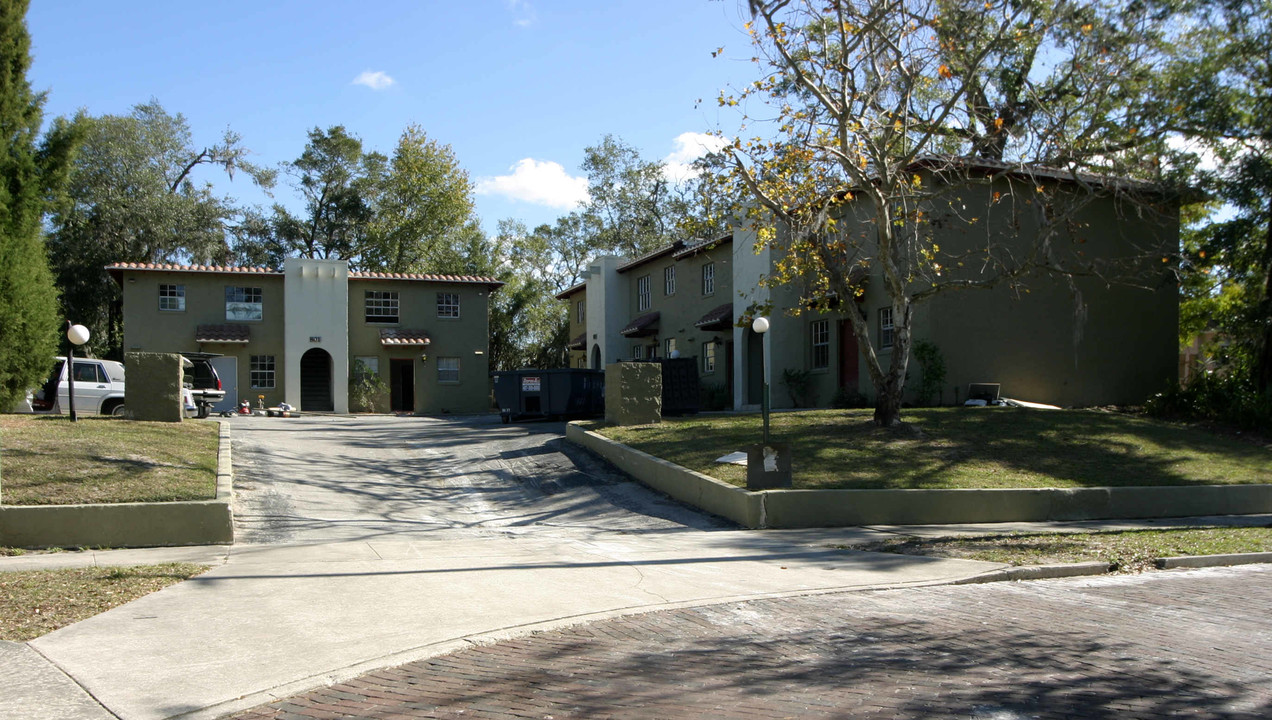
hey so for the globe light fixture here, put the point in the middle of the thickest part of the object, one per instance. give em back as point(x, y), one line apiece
point(78, 335)
point(760, 326)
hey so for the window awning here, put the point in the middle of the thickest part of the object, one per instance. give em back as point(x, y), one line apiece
point(396, 337)
point(222, 334)
point(578, 343)
point(720, 318)
point(642, 326)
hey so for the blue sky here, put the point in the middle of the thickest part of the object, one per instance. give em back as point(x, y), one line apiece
point(516, 87)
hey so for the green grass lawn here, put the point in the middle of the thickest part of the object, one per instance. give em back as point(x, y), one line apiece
point(964, 448)
point(48, 460)
point(1127, 551)
point(36, 602)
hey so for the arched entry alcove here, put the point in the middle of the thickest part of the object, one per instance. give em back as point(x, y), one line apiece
point(596, 357)
point(315, 381)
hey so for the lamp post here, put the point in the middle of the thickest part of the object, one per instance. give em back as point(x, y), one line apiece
point(78, 335)
point(761, 326)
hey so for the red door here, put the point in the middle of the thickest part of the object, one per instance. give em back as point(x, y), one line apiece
point(848, 357)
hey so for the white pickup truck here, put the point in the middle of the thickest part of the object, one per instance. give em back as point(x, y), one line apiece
point(99, 389)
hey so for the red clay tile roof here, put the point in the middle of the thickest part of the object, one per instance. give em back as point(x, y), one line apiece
point(653, 255)
point(718, 319)
point(571, 290)
point(578, 343)
point(172, 267)
point(641, 326)
point(402, 336)
point(701, 245)
point(365, 275)
point(222, 334)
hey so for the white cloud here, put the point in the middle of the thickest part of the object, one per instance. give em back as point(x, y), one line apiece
point(539, 183)
point(377, 80)
point(678, 166)
point(523, 13)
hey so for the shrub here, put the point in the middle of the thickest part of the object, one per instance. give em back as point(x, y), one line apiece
point(932, 364)
point(715, 397)
point(799, 387)
point(845, 399)
point(1229, 399)
point(367, 392)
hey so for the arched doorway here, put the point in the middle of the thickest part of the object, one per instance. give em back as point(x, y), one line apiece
point(315, 381)
point(596, 357)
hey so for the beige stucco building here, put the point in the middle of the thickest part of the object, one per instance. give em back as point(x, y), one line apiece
point(300, 334)
point(1042, 339)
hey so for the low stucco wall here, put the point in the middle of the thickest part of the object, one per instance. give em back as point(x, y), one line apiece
point(633, 393)
point(839, 508)
point(198, 522)
point(693, 488)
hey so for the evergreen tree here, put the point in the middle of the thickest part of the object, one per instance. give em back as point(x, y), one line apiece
point(30, 174)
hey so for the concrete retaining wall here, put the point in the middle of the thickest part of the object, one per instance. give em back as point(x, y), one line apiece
point(153, 391)
point(198, 522)
point(836, 508)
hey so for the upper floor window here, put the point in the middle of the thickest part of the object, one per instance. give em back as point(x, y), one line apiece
point(669, 280)
point(243, 303)
point(448, 305)
point(382, 306)
point(821, 344)
point(885, 327)
point(172, 297)
point(580, 311)
point(642, 293)
point(708, 279)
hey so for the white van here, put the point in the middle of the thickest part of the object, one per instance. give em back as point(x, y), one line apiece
point(99, 388)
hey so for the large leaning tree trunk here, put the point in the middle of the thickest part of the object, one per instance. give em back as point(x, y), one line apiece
point(876, 110)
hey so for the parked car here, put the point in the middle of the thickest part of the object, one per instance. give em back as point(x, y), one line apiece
point(203, 382)
point(99, 388)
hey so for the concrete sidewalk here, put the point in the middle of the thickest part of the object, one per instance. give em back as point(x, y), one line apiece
point(269, 621)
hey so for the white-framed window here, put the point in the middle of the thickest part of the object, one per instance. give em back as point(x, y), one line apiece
point(580, 311)
point(652, 351)
point(582, 363)
point(820, 331)
point(638, 352)
point(243, 304)
point(669, 347)
point(885, 327)
point(448, 305)
point(708, 279)
point(366, 366)
point(262, 371)
point(381, 306)
point(448, 370)
point(172, 298)
point(669, 280)
point(709, 357)
point(642, 293)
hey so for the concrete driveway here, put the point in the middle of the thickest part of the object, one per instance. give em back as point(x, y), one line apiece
point(370, 542)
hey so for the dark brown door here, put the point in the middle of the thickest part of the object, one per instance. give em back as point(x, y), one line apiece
point(402, 384)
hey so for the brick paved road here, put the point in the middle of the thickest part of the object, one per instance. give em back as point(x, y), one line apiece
point(1193, 644)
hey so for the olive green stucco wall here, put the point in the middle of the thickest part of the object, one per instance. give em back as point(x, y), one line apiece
point(466, 337)
point(149, 329)
point(578, 358)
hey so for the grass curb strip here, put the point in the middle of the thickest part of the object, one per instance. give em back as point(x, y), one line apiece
point(1204, 561)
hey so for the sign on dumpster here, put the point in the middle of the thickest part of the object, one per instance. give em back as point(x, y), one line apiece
point(529, 384)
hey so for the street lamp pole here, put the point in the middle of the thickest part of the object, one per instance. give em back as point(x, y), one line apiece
point(78, 335)
point(761, 326)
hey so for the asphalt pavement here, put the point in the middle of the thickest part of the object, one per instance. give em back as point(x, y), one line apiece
point(370, 542)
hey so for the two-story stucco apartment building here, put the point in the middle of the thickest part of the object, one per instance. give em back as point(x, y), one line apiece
point(297, 335)
point(694, 299)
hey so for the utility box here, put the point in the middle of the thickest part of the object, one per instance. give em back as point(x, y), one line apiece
point(556, 393)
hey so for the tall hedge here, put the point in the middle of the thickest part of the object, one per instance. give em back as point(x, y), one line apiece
point(29, 174)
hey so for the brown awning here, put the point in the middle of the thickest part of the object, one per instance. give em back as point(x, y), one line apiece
point(222, 334)
point(401, 336)
point(643, 325)
point(578, 343)
point(719, 318)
